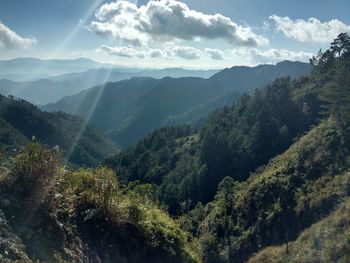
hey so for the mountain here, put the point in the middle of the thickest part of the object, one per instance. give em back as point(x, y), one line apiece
point(35, 68)
point(130, 109)
point(264, 180)
point(40, 91)
point(28, 69)
point(82, 143)
point(52, 88)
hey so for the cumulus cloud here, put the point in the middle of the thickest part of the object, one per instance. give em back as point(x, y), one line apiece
point(311, 30)
point(184, 52)
point(156, 53)
point(215, 54)
point(271, 55)
point(11, 39)
point(165, 20)
point(127, 52)
point(187, 52)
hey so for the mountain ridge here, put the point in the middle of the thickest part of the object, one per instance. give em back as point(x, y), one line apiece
point(170, 97)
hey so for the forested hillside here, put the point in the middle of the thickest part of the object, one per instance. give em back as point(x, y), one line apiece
point(278, 157)
point(22, 122)
point(130, 109)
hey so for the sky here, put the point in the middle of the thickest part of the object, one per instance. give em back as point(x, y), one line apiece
point(171, 33)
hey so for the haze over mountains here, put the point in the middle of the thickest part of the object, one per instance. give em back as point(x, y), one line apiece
point(46, 81)
point(34, 68)
point(130, 109)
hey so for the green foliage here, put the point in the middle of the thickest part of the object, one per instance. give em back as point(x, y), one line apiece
point(235, 141)
point(335, 65)
point(326, 241)
point(99, 189)
point(88, 207)
point(32, 167)
point(239, 139)
point(168, 159)
point(295, 190)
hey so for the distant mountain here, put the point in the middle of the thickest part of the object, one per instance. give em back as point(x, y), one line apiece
point(53, 88)
point(40, 91)
point(34, 68)
point(82, 143)
point(130, 109)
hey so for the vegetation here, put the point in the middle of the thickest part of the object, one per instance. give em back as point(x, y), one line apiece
point(22, 122)
point(89, 208)
point(326, 241)
point(259, 199)
point(234, 142)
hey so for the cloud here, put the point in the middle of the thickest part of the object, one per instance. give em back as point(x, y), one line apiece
point(11, 39)
point(184, 52)
point(311, 30)
point(271, 55)
point(166, 20)
point(215, 54)
point(127, 52)
point(187, 52)
point(156, 53)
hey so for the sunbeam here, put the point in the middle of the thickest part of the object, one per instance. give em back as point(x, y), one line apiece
point(64, 43)
point(86, 120)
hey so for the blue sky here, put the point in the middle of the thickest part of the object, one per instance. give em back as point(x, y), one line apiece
point(190, 33)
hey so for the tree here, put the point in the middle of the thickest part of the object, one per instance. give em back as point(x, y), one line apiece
point(336, 93)
point(340, 45)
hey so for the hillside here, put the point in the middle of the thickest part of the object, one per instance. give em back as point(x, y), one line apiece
point(51, 214)
point(295, 190)
point(234, 142)
point(82, 144)
point(325, 241)
point(167, 101)
point(261, 172)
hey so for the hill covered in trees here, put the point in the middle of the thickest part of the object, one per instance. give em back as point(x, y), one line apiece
point(278, 157)
point(21, 122)
point(130, 109)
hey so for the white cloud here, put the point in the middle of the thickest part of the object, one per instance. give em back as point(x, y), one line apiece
point(166, 20)
point(11, 39)
point(273, 55)
point(311, 30)
point(123, 51)
point(156, 53)
point(187, 52)
point(215, 54)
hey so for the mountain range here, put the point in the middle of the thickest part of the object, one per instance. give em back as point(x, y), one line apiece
point(128, 110)
point(37, 81)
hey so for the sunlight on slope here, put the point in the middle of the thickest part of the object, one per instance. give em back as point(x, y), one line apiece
point(91, 111)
